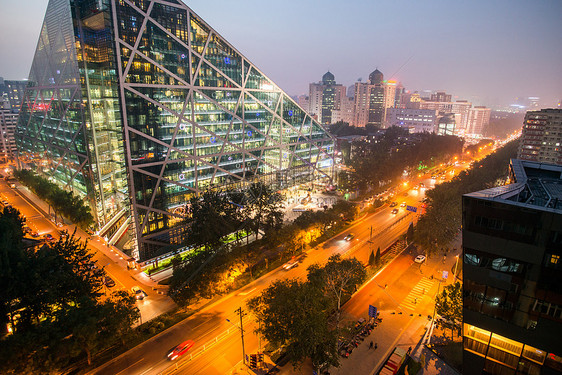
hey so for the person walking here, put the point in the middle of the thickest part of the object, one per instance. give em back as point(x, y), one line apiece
point(371, 345)
point(376, 346)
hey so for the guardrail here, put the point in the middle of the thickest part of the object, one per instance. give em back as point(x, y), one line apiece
point(209, 344)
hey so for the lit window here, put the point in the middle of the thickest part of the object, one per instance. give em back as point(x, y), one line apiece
point(554, 259)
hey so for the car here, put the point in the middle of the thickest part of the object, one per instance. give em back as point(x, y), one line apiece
point(138, 292)
point(13, 186)
point(422, 185)
point(49, 237)
point(291, 264)
point(393, 204)
point(34, 234)
point(27, 229)
point(420, 259)
point(349, 237)
point(109, 282)
point(442, 177)
point(395, 211)
point(403, 204)
point(181, 349)
point(434, 177)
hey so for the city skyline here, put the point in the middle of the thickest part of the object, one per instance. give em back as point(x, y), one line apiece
point(495, 53)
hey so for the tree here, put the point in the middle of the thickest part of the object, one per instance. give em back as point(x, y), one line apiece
point(337, 278)
point(212, 216)
point(263, 207)
point(294, 315)
point(122, 314)
point(378, 256)
point(449, 305)
point(372, 259)
point(410, 233)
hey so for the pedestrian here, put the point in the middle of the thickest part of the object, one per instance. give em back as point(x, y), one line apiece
point(385, 285)
point(409, 350)
point(376, 346)
point(371, 345)
point(415, 301)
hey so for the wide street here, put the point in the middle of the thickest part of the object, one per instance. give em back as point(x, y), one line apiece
point(217, 346)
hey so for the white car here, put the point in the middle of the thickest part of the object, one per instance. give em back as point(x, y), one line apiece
point(420, 259)
point(290, 264)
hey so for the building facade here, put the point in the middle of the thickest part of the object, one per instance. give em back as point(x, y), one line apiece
point(460, 108)
point(14, 91)
point(478, 120)
point(415, 120)
point(326, 96)
point(8, 122)
point(512, 246)
point(541, 137)
point(138, 105)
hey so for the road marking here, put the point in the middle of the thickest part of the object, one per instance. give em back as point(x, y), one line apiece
point(416, 294)
point(142, 359)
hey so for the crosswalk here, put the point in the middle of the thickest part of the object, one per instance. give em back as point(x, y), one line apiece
point(416, 294)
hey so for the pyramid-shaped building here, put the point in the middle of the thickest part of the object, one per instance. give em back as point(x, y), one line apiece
point(137, 105)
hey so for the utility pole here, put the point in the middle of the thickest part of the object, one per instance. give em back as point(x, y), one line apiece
point(241, 314)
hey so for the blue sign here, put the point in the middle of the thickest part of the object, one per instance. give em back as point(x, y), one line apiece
point(411, 208)
point(290, 113)
point(227, 60)
point(445, 274)
point(249, 133)
point(372, 311)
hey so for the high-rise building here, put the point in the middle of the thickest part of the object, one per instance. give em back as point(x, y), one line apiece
point(361, 104)
point(325, 97)
point(376, 99)
point(512, 272)
point(415, 120)
point(478, 119)
point(14, 91)
point(345, 112)
point(460, 108)
point(138, 105)
point(8, 121)
point(440, 96)
point(541, 137)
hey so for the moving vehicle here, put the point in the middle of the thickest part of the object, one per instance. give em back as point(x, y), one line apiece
point(420, 259)
point(181, 349)
point(291, 264)
point(49, 237)
point(403, 204)
point(349, 237)
point(395, 211)
point(393, 204)
point(138, 292)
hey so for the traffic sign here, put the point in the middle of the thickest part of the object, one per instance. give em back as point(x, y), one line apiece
point(411, 208)
point(372, 311)
point(445, 274)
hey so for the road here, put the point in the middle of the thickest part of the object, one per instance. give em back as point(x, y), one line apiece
point(36, 217)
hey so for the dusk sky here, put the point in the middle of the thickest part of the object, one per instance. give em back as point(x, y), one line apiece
point(489, 52)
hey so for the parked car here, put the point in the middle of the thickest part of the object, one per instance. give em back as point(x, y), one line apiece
point(349, 237)
point(181, 349)
point(420, 259)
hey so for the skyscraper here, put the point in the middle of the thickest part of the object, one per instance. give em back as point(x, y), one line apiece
point(478, 119)
point(512, 246)
point(541, 138)
point(325, 97)
point(8, 121)
point(137, 105)
point(376, 99)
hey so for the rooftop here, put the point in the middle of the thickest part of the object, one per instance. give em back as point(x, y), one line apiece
point(536, 185)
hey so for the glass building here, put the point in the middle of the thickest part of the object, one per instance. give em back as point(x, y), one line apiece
point(137, 105)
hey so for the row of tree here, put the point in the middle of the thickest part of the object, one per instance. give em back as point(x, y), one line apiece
point(394, 152)
point(304, 317)
point(443, 218)
point(216, 270)
point(50, 300)
point(63, 202)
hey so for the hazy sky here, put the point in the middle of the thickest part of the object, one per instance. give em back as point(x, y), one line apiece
point(487, 51)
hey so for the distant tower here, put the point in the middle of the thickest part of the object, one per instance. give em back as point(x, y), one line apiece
point(325, 97)
point(376, 99)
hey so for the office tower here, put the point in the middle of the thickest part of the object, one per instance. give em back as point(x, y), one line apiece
point(512, 272)
point(415, 120)
point(460, 108)
point(478, 119)
point(325, 97)
point(345, 112)
point(376, 99)
point(136, 106)
point(14, 91)
point(440, 96)
point(541, 137)
point(8, 121)
point(446, 124)
point(361, 104)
